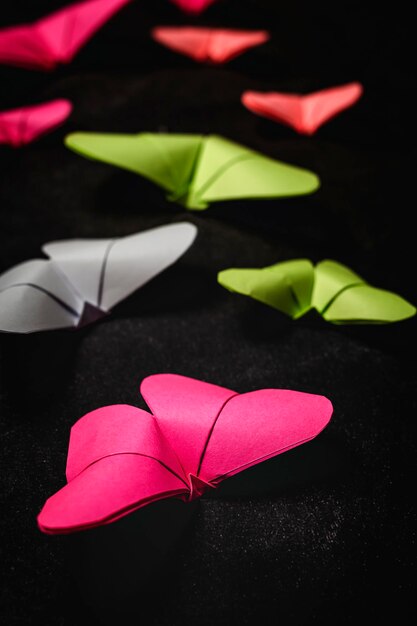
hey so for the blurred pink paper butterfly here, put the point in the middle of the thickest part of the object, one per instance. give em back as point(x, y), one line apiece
point(121, 458)
point(193, 6)
point(25, 124)
point(212, 45)
point(303, 113)
point(57, 37)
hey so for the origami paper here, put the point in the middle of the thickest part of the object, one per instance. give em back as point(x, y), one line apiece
point(195, 169)
point(303, 113)
point(193, 6)
point(333, 290)
point(22, 126)
point(211, 45)
point(85, 278)
point(57, 37)
point(121, 458)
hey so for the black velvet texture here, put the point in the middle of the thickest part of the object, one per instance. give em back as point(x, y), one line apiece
point(322, 534)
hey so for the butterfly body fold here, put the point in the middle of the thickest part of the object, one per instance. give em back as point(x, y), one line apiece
point(197, 487)
point(90, 314)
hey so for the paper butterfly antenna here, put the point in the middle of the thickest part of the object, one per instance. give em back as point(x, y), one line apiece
point(209, 45)
point(121, 458)
point(194, 7)
point(85, 278)
point(304, 113)
point(58, 37)
point(196, 170)
point(339, 295)
point(21, 126)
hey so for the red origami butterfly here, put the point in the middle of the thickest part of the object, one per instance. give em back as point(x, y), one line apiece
point(55, 38)
point(209, 45)
point(303, 113)
point(121, 458)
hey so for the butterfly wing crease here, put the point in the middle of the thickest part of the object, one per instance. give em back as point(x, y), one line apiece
point(133, 261)
point(186, 410)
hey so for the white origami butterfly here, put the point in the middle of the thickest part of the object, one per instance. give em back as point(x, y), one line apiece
point(84, 278)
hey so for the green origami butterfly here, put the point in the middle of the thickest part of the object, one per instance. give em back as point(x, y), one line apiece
point(196, 169)
point(338, 294)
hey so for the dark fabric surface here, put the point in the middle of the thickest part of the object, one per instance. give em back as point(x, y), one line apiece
point(322, 534)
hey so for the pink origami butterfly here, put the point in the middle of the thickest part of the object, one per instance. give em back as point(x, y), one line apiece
point(303, 113)
point(55, 38)
point(213, 45)
point(193, 6)
point(121, 458)
point(21, 126)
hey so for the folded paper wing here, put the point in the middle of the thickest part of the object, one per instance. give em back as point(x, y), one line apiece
point(121, 458)
point(303, 113)
point(342, 297)
point(117, 267)
point(55, 38)
point(34, 297)
point(333, 290)
point(211, 45)
point(194, 169)
point(230, 431)
point(259, 425)
point(117, 462)
point(21, 126)
point(84, 279)
point(284, 286)
point(193, 6)
point(227, 171)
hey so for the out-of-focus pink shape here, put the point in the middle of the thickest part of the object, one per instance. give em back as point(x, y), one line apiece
point(57, 37)
point(209, 45)
point(121, 458)
point(303, 113)
point(22, 126)
point(193, 6)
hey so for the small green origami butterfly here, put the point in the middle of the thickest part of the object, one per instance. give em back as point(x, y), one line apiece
point(196, 169)
point(338, 294)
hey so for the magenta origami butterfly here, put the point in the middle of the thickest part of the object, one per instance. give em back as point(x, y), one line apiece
point(57, 37)
point(21, 126)
point(121, 458)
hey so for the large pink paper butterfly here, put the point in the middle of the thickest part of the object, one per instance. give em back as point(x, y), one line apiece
point(57, 37)
point(121, 458)
point(193, 6)
point(209, 45)
point(25, 124)
point(303, 113)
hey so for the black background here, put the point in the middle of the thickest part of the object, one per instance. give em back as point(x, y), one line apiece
point(323, 534)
